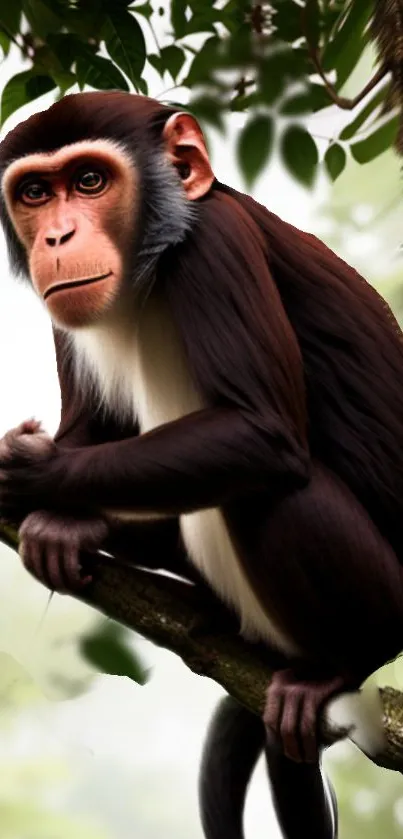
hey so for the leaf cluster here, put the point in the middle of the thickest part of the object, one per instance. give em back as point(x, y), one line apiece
point(63, 39)
point(278, 62)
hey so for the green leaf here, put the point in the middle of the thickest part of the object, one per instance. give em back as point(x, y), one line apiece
point(59, 7)
point(107, 651)
point(378, 142)
point(234, 14)
point(240, 48)
point(93, 70)
point(142, 86)
point(306, 102)
point(201, 5)
point(351, 56)
point(67, 47)
point(333, 17)
point(178, 17)
point(38, 85)
point(10, 15)
point(320, 97)
point(144, 9)
point(88, 24)
point(344, 51)
point(173, 59)
point(203, 62)
point(47, 61)
point(300, 154)
point(335, 160)
point(23, 88)
point(242, 103)
point(277, 69)
point(112, 5)
point(254, 146)
point(271, 78)
point(298, 62)
point(362, 117)
point(64, 81)
point(204, 19)
point(299, 103)
point(238, 8)
point(124, 41)
point(209, 110)
point(199, 24)
point(42, 20)
point(312, 22)
point(287, 20)
point(156, 61)
point(5, 43)
point(98, 72)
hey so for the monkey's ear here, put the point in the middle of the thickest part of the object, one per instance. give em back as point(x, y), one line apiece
point(187, 151)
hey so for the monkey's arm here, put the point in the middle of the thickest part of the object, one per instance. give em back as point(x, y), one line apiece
point(152, 544)
point(200, 460)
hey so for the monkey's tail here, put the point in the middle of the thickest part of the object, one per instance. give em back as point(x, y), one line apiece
point(304, 805)
point(235, 739)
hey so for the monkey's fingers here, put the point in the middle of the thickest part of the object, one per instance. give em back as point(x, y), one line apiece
point(54, 564)
point(283, 713)
point(72, 567)
point(30, 426)
point(290, 726)
point(54, 567)
point(32, 553)
point(309, 728)
point(273, 711)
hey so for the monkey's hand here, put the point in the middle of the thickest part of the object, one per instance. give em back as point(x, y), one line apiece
point(50, 546)
point(25, 453)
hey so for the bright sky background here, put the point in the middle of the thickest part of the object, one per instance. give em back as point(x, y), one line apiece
point(158, 729)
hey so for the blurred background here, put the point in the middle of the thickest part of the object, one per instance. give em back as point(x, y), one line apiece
point(98, 756)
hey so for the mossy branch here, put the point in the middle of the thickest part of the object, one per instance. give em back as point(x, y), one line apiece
point(184, 619)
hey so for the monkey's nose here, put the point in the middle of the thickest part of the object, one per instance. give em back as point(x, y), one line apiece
point(59, 238)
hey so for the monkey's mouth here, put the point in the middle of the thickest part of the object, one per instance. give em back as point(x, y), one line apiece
point(75, 284)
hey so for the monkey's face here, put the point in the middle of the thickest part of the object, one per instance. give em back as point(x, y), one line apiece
point(74, 212)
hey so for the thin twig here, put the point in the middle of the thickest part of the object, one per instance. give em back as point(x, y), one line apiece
point(341, 101)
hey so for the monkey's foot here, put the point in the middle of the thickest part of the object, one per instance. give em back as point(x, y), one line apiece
point(292, 711)
point(50, 546)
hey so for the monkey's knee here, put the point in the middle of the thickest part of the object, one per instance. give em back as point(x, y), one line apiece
point(342, 577)
point(326, 516)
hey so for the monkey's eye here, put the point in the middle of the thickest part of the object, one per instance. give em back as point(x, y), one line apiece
point(90, 181)
point(34, 192)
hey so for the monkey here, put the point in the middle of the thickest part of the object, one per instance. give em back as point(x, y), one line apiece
point(231, 406)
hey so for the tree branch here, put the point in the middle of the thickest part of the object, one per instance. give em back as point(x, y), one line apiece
point(315, 56)
point(186, 620)
point(342, 101)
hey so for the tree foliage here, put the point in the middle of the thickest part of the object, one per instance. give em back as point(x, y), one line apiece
point(278, 62)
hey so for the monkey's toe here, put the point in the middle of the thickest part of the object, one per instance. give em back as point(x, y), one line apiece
point(292, 711)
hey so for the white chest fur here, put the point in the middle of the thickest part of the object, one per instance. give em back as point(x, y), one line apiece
point(143, 373)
